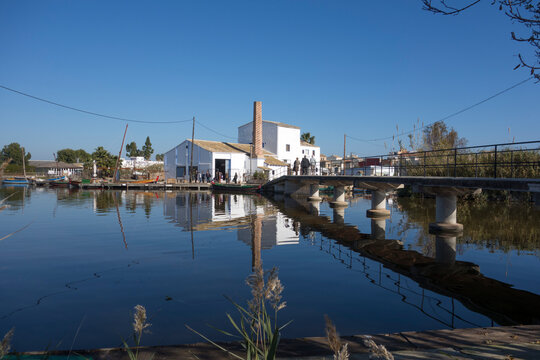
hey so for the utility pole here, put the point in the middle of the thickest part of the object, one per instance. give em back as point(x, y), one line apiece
point(344, 151)
point(192, 140)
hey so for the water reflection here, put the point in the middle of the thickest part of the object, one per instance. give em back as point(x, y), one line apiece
point(493, 225)
point(442, 274)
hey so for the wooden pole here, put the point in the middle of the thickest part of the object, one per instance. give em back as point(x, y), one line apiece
point(23, 165)
point(119, 154)
point(192, 143)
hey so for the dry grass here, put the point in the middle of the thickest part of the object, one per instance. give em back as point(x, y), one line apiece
point(341, 352)
point(378, 352)
point(5, 345)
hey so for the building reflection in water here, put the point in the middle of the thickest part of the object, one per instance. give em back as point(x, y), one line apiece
point(258, 224)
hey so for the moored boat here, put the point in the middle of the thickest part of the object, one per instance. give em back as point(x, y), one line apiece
point(17, 180)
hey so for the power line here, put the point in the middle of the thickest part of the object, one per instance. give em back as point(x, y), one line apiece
point(451, 115)
point(214, 131)
point(91, 112)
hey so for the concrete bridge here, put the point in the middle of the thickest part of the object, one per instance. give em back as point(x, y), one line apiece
point(445, 189)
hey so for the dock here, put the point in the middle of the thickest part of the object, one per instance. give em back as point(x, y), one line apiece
point(149, 187)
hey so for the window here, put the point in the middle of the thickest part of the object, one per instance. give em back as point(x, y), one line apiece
point(313, 152)
point(288, 147)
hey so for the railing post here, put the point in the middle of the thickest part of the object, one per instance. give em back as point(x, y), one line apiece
point(400, 163)
point(495, 164)
point(447, 165)
point(476, 165)
point(424, 163)
point(380, 159)
point(455, 162)
point(512, 163)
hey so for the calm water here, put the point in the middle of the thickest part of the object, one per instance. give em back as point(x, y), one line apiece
point(85, 258)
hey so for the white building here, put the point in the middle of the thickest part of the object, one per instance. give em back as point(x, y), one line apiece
point(138, 162)
point(262, 146)
point(224, 157)
point(281, 139)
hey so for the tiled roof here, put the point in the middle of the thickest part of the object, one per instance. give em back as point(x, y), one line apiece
point(270, 160)
point(225, 147)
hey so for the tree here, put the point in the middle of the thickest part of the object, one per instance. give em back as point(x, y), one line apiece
point(72, 156)
point(437, 137)
point(132, 151)
point(159, 157)
point(524, 12)
point(13, 151)
point(147, 150)
point(105, 161)
point(308, 138)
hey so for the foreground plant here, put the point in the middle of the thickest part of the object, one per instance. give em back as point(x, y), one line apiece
point(139, 324)
point(378, 352)
point(257, 326)
point(5, 345)
point(341, 352)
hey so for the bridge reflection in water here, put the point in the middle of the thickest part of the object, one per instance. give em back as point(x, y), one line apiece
point(262, 226)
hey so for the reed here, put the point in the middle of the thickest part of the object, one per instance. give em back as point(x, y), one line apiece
point(257, 323)
point(341, 352)
point(5, 345)
point(139, 325)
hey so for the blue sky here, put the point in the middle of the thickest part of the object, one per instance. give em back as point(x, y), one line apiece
point(330, 67)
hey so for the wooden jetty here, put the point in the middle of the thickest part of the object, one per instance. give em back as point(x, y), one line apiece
point(139, 186)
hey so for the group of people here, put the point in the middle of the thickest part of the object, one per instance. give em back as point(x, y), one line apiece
point(206, 177)
point(305, 166)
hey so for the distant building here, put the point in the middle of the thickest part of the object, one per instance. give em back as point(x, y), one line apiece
point(138, 162)
point(60, 168)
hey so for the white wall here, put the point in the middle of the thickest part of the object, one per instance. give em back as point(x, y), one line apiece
point(269, 135)
point(181, 156)
point(288, 136)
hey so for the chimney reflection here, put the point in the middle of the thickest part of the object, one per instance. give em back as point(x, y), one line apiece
point(256, 236)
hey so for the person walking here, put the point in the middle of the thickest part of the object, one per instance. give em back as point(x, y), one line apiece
point(235, 179)
point(304, 165)
point(312, 165)
point(296, 165)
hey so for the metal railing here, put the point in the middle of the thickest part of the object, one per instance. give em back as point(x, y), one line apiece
point(504, 160)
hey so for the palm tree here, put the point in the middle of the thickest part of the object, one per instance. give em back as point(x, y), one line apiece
point(308, 138)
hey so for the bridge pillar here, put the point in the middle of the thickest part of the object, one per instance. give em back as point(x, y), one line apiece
point(378, 228)
point(445, 249)
point(338, 216)
point(279, 188)
point(290, 187)
point(378, 204)
point(314, 192)
point(339, 197)
point(314, 207)
point(445, 214)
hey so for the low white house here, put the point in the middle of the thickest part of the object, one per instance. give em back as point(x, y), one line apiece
point(223, 157)
point(56, 168)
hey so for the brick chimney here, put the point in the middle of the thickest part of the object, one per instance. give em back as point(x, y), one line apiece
point(257, 130)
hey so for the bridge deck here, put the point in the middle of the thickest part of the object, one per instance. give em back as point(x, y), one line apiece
point(510, 184)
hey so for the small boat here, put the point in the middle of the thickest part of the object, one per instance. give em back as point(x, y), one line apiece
point(16, 181)
point(75, 183)
point(59, 182)
point(236, 188)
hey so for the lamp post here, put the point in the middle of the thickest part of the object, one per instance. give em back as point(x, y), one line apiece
point(186, 172)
